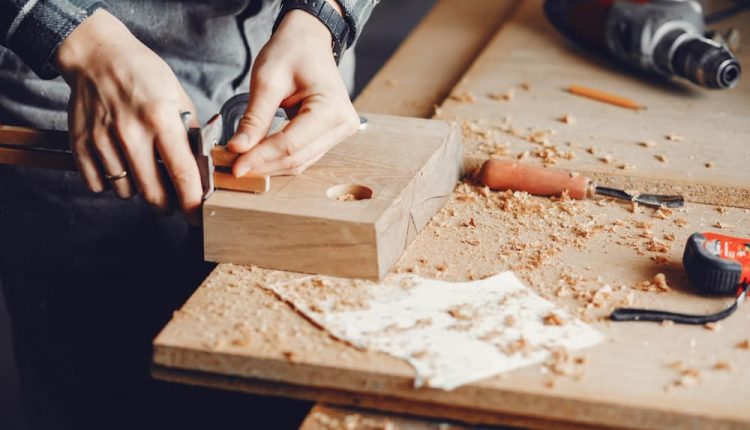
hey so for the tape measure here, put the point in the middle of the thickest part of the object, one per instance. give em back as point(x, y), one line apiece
point(717, 264)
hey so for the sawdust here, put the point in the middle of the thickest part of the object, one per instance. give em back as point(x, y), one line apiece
point(506, 96)
point(647, 144)
point(661, 158)
point(743, 344)
point(656, 285)
point(674, 137)
point(568, 119)
point(464, 96)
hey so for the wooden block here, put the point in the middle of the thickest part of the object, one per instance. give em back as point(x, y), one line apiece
point(351, 214)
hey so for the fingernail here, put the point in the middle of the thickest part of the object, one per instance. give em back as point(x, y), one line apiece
point(240, 143)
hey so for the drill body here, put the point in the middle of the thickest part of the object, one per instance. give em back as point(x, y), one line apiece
point(664, 37)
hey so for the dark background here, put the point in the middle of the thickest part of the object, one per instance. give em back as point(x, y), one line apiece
point(389, 25)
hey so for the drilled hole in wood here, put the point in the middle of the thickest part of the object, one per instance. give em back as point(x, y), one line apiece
point(349, 192)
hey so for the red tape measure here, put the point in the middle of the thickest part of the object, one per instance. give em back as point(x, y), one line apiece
point(717, 264)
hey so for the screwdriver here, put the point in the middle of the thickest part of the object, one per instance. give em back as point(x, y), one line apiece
point(542, 181)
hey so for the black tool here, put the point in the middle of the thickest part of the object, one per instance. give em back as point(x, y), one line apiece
point(716, 264)
point(665, 37)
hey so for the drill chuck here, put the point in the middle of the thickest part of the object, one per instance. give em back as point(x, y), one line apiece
point(706, 63)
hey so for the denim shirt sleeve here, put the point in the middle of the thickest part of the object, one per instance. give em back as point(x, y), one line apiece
point(34, 29)
point(356, 13)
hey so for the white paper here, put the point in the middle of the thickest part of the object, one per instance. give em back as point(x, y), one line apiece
point(451, 333)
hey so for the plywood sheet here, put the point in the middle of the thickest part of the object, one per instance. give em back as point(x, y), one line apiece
point(233, 327)
point(421, 73)
point(713, 125)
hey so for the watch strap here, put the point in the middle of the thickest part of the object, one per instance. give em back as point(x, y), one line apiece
point(326, 14)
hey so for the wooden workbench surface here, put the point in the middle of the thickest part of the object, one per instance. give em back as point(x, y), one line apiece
point(586, 256)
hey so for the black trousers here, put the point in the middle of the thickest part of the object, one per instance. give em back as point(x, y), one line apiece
point(89, 281)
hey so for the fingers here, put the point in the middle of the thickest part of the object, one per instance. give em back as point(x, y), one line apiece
point(255, 123)
point(83, 152)
point(172, 144)
point(304, 140)
point(112, 162)
point(138, 148)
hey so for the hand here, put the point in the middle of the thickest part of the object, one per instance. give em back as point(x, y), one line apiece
point(296, 68)
point(125, 106)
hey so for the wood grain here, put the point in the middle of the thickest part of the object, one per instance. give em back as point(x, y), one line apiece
point(234, 335)
point(408, 166)
point(713, 124)
point(429, 63)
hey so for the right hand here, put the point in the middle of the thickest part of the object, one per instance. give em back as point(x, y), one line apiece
point(125, 106)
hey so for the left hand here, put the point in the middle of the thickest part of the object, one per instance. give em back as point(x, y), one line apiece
point(296, 68)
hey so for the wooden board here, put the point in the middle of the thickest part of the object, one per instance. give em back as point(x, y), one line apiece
point(234, 335)
point(431, 61)
point(714, 124)
point(351, 214)
point(231, 326)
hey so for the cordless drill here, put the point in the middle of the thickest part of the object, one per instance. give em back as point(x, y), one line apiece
point(659, 36)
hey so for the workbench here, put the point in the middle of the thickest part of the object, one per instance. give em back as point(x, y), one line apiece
point(233, 334)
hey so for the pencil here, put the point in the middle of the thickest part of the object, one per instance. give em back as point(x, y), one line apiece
point(604, 97)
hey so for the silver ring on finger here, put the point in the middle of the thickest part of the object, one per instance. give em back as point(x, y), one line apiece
point(121, 175)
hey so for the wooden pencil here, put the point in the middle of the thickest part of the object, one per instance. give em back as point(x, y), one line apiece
point(605, 97)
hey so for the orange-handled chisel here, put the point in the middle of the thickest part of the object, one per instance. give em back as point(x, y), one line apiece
point(543, 181)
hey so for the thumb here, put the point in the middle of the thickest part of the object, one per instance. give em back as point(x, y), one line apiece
point(257, 119)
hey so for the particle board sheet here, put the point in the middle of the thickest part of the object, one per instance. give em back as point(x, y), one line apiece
point(599, 255)
point(513, 99)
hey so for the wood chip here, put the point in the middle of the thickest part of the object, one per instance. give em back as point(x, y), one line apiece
point(661, 157)
point(553, 319)
point(744, 344)
point(722, 365)
point(463, 97)
point(719, 224)
point(674, 137)
point(712, 326)
point(658, 284)
point(647, 143)
point(568, 119)
point(506, 96)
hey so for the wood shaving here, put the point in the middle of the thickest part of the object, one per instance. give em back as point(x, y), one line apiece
point(744, 344)
point(463, 312)
point(661, 157)
point(721, 209)
point(568, 119)
point(674, 137)
point(626, 166)
point(722, 225)
point(647, 143)
point(553, 319)
point(712, 326)
point(680, 222)
point(506, 96)
point(722, 365)
point(346, 197)
point(607, 159)
point(655, 245)
point(463, 97)
point(657, 285)
point(663, 213)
